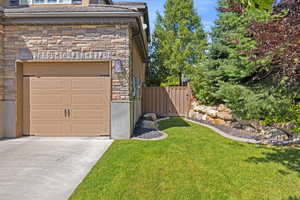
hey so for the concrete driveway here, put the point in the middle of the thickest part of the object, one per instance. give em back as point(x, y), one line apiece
point(36, 168)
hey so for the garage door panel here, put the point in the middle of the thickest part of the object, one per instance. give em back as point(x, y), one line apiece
point(47, 107)
point(82, 114)
point(48, 100)
point(47, 114)
point(47, 128)
point(89, 107)
point(91, 84)
point(48, 83)
point(87, 99)
point(99, 92)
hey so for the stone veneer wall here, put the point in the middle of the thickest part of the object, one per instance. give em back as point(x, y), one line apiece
point(72, 42)
point(1, 63)
point(1, 83)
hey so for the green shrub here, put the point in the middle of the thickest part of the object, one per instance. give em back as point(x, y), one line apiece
point(250, 104)
point(296, 118)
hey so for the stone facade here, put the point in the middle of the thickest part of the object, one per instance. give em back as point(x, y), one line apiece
point(1, 63)
point(1, 83)
point(63, 43)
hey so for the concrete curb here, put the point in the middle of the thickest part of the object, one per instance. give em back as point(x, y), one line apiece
point(239, 139)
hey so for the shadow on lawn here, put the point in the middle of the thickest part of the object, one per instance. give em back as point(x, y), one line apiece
point(288, 157)
point(173, 122)
point(293, 198)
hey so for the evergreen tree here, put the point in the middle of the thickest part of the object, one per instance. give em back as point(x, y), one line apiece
point(226, 61)
point(260, 4)
point(234, 74)
point(178, 41)
point(156, 72)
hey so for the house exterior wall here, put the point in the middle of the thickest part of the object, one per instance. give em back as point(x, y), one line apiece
point(1, 62)
point(76, 42)
point(64, 43)
point(4, 3)
point(138, 70)
point(1, 119)
point(1, 83)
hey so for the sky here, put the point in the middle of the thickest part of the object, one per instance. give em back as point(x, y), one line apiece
point(205, 8)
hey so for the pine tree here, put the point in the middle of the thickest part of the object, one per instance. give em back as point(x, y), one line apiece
point(156, 72)
point(235, 77)
point(179, 41)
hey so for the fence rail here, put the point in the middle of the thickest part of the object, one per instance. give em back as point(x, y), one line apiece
point(167, 101)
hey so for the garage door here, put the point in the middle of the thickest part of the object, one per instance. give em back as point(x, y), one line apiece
point(69, 106)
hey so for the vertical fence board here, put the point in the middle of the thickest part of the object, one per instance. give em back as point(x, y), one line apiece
point(166, 101)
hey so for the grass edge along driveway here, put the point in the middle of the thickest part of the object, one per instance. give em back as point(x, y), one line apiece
point(193, 163)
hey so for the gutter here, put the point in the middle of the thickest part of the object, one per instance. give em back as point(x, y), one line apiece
point(70, 14)
point(140, 33)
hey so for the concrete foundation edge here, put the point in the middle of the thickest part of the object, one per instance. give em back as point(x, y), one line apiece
point(1, 119)
point(8, 119)
point(10, 112)
point(121, 120)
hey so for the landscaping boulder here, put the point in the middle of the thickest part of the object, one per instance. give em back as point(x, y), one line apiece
point(201, 109)
point(223, 108)
point(278, 134)
point(212, 113)
point(287, 127)
point(225, 116)
point(149, 124)
point(219, 122)
point(237, 125)
point(150, 117)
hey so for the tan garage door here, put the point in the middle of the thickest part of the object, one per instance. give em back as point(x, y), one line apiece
point(69, 106)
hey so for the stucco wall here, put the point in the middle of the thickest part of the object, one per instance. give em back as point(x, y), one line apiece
point(121, 126)
point(138, 71)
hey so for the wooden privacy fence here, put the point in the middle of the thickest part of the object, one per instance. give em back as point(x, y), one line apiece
point(167, 101)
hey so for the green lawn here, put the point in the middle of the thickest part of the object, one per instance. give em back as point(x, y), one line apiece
point(193, 163)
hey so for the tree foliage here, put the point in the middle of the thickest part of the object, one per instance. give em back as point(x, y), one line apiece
point(278, 39)
point(178, 41)
point(253, 61)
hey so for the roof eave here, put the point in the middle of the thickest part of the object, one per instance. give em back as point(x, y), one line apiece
point(70, 14)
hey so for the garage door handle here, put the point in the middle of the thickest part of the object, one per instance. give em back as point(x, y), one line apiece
point(69, 113)
point(65, 113)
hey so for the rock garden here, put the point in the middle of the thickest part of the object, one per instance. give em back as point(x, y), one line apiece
point(223, 119)
point(147, 128)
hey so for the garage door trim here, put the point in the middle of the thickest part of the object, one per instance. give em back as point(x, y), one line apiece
point(23, 103)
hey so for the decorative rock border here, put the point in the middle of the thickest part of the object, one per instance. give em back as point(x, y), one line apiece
point(163, 135)
point(252, 141)
point(246, 140)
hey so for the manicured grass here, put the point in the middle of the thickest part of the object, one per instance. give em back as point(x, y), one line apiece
point(193, 163)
